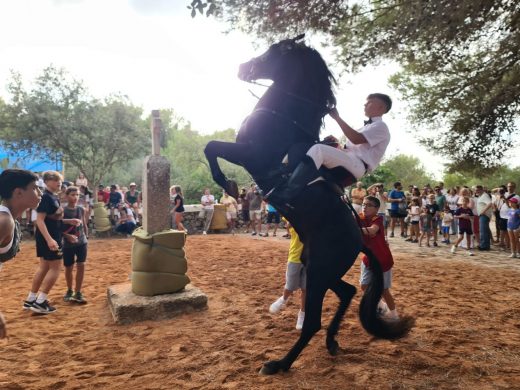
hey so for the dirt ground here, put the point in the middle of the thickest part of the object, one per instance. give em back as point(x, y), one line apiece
point(467, 332)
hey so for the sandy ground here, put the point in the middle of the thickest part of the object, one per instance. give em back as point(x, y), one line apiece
point(467, 333)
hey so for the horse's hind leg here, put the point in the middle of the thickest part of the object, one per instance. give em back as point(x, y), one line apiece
point(311, 325)
point(234, 153)
point(345, 293)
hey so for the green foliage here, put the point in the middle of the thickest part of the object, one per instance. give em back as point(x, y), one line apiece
point(382, 174)
point(460, 61)
point(58, 115)
point(406, 169)
point(499, 176)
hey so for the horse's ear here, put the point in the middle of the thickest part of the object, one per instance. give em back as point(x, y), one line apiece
point(299, 37)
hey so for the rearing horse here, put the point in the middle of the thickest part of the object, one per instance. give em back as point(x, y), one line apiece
point(286, 122)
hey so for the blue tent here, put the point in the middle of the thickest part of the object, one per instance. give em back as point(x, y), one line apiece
point(25, 160)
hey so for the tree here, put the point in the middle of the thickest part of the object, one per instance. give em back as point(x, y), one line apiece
point(58, 115)
point(460, 60)
point(406, 169)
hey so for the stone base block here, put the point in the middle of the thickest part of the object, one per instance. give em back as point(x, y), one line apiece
point(126, 307)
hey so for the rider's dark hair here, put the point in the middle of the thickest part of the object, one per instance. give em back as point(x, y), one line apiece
point(384, 98)
point(11, 179)
point(397, 184)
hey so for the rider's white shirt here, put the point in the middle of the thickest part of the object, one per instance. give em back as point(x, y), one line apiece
point(378, 138)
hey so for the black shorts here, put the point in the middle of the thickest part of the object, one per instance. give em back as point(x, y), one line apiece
point(468, 231)
point(273, 215)
point(73, 254)
point(43, 251)
point(245, 215)
point(502, 224)
point(397, 214)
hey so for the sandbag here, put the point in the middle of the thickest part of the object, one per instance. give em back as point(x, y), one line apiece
point(219, 220)
point(146, 258)
point(155, 283)
point(173, 239)
point(102, 223)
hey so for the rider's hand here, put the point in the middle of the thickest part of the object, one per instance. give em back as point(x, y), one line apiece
point(334, 113)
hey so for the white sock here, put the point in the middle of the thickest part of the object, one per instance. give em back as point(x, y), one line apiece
point(42, 297)
point(32, 296)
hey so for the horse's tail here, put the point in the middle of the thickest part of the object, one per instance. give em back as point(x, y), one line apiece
point(370, 320)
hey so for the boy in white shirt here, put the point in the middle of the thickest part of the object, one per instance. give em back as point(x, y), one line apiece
point(363, 151)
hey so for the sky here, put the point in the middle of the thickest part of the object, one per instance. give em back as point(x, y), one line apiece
point(155, 53)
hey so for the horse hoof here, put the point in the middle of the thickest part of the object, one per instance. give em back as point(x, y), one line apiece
point(232, 188)
point(332, 347)
point(270, 368)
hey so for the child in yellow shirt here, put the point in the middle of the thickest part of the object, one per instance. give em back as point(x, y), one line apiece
point(295, 278)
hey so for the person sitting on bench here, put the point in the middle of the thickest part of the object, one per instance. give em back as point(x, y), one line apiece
point(363, 151)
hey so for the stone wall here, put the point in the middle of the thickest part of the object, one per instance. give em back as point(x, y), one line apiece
point(194, 224)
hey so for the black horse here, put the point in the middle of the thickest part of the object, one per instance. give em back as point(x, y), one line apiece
point(286, 122)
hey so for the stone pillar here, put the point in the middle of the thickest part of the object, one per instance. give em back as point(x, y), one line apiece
point(156, 184)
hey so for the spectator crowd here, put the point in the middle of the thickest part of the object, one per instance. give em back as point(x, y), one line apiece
point(475, 218)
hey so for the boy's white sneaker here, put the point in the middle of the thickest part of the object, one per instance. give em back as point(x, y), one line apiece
point(299, 321)
point(277, 305)
point(453, 249)
point(382, 307)
point(512, 255)
point(470, 253)
point(391, 315)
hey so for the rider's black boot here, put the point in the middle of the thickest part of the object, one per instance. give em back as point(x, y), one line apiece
point(281, 197)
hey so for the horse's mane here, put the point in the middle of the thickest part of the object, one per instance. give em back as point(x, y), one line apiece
point(322, 81)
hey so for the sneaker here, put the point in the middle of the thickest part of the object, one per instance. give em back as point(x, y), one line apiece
point(382, 308)
point(42, 308)
point(79, 298)
point(28, 304)
point(391, 315)
point(470, 253)
point(512, 255)
point(453, 249)
point(391, 235)
point(277, 305)
point(204, 232)
point(435, 243)
point(68, 295)
point(299, 321)
point(253, 234)
point(410, 239)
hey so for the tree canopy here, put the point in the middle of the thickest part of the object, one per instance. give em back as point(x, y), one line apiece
point(58, 115)
point(460, 60)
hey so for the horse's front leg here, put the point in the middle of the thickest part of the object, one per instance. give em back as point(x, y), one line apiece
point(345, 293)
point(311, 325)
point(234, 153)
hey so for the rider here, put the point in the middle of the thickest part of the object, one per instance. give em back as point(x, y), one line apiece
point(363, 151)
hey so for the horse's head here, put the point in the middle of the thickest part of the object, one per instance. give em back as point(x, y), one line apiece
point(297, 69)
point(266, 66)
